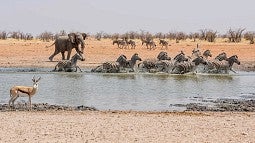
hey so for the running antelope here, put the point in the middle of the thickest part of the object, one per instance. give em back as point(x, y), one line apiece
point(29, 91)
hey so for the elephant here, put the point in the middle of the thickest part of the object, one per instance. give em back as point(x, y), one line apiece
point(67, 43)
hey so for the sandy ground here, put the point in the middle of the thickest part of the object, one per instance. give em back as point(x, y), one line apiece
point(108, 126)
point(98, 126)
point(15, 53)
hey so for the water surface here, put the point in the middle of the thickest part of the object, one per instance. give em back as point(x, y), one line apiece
point(143, 92)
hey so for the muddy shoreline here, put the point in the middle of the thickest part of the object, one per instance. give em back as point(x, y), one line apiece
point(219, 105)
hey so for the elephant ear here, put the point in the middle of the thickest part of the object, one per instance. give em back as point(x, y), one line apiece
point(72, 37)
point(84, 35)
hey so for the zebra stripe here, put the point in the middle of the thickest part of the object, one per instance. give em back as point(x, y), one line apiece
point(186, 67)
point(68, 65)
point(217, 66)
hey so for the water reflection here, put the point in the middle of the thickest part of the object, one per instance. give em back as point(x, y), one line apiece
point(122, 76)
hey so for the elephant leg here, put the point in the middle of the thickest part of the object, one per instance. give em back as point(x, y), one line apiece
point(63, 55)
point(54, 54)
point(68, 54)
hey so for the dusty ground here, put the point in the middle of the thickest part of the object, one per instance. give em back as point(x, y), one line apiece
point(108, 126)
point(98, 126)
point(15, 53)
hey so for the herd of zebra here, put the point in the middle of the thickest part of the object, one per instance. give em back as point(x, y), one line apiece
point(149, 43)
point(180, 64)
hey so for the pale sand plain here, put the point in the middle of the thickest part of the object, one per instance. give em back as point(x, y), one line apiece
point(109, 127)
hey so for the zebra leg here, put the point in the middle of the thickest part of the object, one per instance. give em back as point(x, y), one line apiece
point(232, 70)
point(97, 69)
point(55, 69)
point(78, 68)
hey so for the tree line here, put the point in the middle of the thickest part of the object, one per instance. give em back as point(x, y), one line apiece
point(233, 35)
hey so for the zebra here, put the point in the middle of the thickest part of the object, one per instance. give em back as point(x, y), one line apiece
point(162, 64)
point(209, 67)
point(207, 53)
point(133, 60)
point(112, 67)
point(223, 66)
point(163, 56)
point(69, 65)
point(119, 42)
point(151, 64)
point(150, 44)
point(145, 41)
point(164, 43)
point(167, 65)
point(196, 53)
point(180, 57)
point(123, 44)
point(185, 67)
point(132, 43)
point(221, 56)
point(120, 64)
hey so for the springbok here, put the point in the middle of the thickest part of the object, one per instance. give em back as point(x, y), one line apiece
point(17, 91)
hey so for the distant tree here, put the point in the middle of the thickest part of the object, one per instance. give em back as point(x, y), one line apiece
point(249, 36)
point(99, 35)
point(3, 35)
point(208, 35)
point(235, 35)
point(193, 36)
point(171, 35)
point(28, 36)
point(160, 35)
point(46, 36)
point(180, 36)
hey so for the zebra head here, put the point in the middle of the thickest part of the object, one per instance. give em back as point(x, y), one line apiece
point(122, 60)
point(77, 57)
point(196, 52)
point(207, 53)
point(163, 56)
point(180, 57)
point(233, 59)
point(135, 58)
